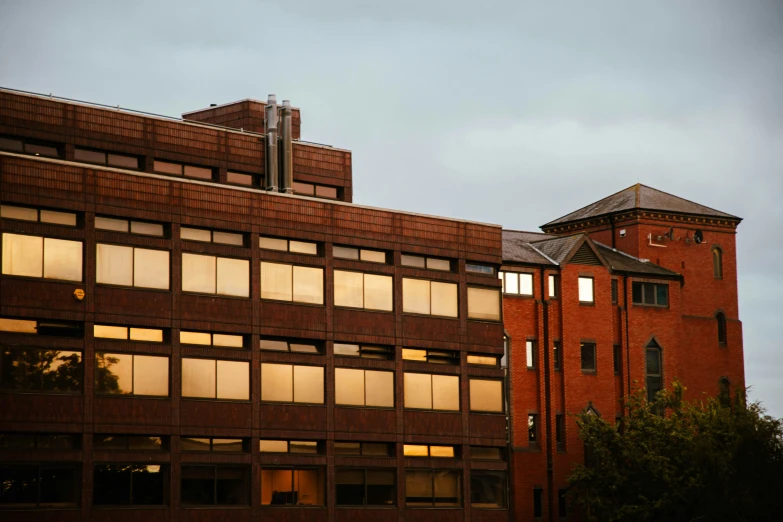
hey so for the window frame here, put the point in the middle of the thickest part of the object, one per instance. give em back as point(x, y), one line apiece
point(518, 277)
point(557, 355)
point(532, 429)
point(217, 380)
point(164, 476)
point(40, 389)
point(364, 389)
point(504, 488)
point(216, 264)
point(247, 470)
point(133, 267)
point(502, 409)
point(43, 267)
point(717, 262)
point(393, 472)
point(594, 348)
point(293, 299)
point(430, 282)
point(646, 286)
point(293, 384)
point(76, 468)
point(615, 291)
point(531, 354)
point(456, 471)
point(364, 290)
point(38, 215)
point(432, 393)
point(592, 290)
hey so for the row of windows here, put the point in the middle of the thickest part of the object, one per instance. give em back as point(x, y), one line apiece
point(28, 369)
point(125, 484)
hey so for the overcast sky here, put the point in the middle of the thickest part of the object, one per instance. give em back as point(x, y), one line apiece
point(505, 112)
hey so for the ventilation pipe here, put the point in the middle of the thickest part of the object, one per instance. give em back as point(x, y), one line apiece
point(288, 153)
point(270, 129)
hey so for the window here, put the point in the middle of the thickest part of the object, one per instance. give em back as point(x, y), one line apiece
point(288, 245)
point(430, 356)
point(310, 189)
point(176, 169)
point(538, 505)
point(212, 444)
point(363, 388)
point(560, 431)
point(486, 395)
point(373, 256)
point(586, 290)
point(358, 290)
point(653, 370)
point(721, 320)
point(237, 178)
point(487, 489)
point(46, 257)
point(431, 392)
point(418, 450)
point(292, 383)
point(557, 356)
point(280, 345)
point(299, 447)
point(517, 283)
point(420, 296)
point(40, 485)
point(483, 360)
point(128, 374)
point(212, 236)
point(40, 441)
point(614, 291)
point(717, 263)
point(554, 286)
point(215, 275)
point(215, 485)
point(211, 339)
point(364, 351)
point(561, 503)
point(113, 442)
point(650, 294)
point(426, 487)
point(484, 303)
point(42, 327)
point(131, 266)
point(302, 284)
point(37, 149)
point(618, 358)
point(293, 487)
point(34, 214)
point(40, 370)
point(475, 268)
point(588, 357)
point(215, 379)
point(365, 487)
point(530, 355)
point(129, 485)
point(485, 453)
point(366, 449)
point(152, 335)
point(532, 428)
point(425, 262)
point(141, 228)
point(106, 158)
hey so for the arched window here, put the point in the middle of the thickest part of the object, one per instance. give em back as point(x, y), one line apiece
point(721, 327)
point(653, 370)
point(717, 263)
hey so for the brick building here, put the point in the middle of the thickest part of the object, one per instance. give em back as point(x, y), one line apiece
point(197, 323)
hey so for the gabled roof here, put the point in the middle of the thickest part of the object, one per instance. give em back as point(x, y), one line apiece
point(558, 248)
point(517, 247)
point(639, 197)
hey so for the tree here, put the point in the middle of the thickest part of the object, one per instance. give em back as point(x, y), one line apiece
point(670, 460)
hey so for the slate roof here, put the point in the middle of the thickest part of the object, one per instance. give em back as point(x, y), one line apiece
point(517, 247)
point(639, 197)
point(622, 262)
point(559, 247)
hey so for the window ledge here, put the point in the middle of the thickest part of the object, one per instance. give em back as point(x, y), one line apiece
point(587, 303)
point(589, 372)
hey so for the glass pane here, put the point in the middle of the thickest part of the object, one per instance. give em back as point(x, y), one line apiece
point(17, 441)
point(22, 255)
point(308, 285)
point(479, 269)
point(114, 373)
point(373, 256)
point(345, 252)
point(653, 362)
point(148, 485)
point(276, 281)
point(198, 378)
point(349, 387)
point(195, 338)
point(137, 442)
point(512, 283)
point(273, 446)
point(227, 445)
point(448, 489)
point(62, 259)
point(375, 449)
point(233, 277)
point(198, 172)
point(228, 341)
point(12, 145)
point(348, 289)
point(110, 442)
point(349, 487)
point(586, 289)
point(302, 247)
point(89, 156)
point(278, 346)
point(239, 179)
point(110, 332)
point(41, 150)
point(552, 286)
point(530, 354)
point(18, 325)
point(378, 292)
point(347, 448)
point(480, 453)
point(309, 487)
point(127, 162)
point(112, 484)
point(233, 380)
point(409, 260)
point(444, 299)
point(195, 234)
point(438, 264)
point(486, 395)
point(303, 348)
point(304, 189)
point(442, 451)
point(198, 485)
point(309, 384)
point(198, 273)
point(277, 382)
point(381, 490)
point(277, 487)
point(27, 214)
point(414, 450)
point(116, 225)
point(150, 375)
point(588, 356)
point(649, 293)
point(445, 392)
point(662, 295)
point(346, 349)
point(58, 218)
point(488, 489)
point(483, 303)
point(146, 334)
point(418, 390)
point(484, 360)
point(301, 446)
point(227, 238)
point(167, 168)
point(418, 488)
point(412, 354)
point(325, 192)
point(146, 229)
point(20, 486)
point(636, 290)
point(151, 268)
point(415, 296)
point(273, 243)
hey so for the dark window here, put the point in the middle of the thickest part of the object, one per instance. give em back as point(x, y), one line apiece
point(724, 392)
point(487, 489)
point(588, 357)
point(618, 364)
point(129, 485)
point(560, 431)
point(717, 263)
point(430, 356)
point(532, 428)
point(650, 294)
point(479, 269)
point(538, 505)
point(44, 441)
point(654, 370)
point(365, 487)
point(214, 445)
point(614, 291)
point(127, 442)
point(721, 318)
point(557, 355)
point(367, 449)
point(41, 150)
point(485, 453)
point(31, 369)
point(364, 351)
point(292, 487)
point(39, 485)
point(426, 487)
point(215, 485)
point(561, 503)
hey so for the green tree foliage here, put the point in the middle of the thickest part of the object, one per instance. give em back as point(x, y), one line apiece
point(672, 460)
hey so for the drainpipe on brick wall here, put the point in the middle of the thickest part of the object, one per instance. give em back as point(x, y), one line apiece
point(627, 342)
point(550, 479)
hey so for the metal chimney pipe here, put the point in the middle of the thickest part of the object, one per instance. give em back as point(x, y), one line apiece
point(288, 150)
point(270, 128)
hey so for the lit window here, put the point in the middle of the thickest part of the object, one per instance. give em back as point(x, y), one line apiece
point(153, 335)
point(211, 339)
point(215, 275)
point(302, 284)
point(373, 256)
point(486, 395)
point(114, 442)
point(131, 266)
point(141, 228)
point(354, 387)
point(517, 283)
point(293, 487)
point(431, 392)
point(215, 379)
point(288, 245)
point(292, 383)
point(430, 356)
point(299, 447)
point(420, 296)
point(364, 351)
point(33, 214)
point(42, 327)
point(50, 485)
point(358, 290)
point(48, 258)
point(586, 290)
point(418, 450)
point(128, 374)
point(431, 263)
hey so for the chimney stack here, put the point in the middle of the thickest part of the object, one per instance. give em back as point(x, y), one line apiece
point(288, 153)
point(270, 129)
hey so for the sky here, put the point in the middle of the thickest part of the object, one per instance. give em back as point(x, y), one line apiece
point(508, 112)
